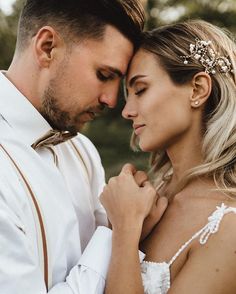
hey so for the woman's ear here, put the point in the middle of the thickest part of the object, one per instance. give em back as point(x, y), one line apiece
point(46, 41)
point(202, 85)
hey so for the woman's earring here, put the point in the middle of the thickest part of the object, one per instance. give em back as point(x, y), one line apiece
point(196, 103)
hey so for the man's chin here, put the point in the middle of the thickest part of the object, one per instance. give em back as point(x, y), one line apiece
point(63, 128)
point(77, 125)
point(80, 127)
point(76, 128)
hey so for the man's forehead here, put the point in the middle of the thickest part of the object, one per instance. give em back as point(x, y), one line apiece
point(115, 53)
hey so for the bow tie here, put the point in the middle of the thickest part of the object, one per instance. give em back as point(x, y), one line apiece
point(53, 137)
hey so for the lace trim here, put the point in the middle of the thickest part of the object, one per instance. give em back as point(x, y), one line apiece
point(210, 228)
point(156, 277)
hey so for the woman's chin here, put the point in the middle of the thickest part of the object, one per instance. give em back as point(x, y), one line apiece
point(145, 147)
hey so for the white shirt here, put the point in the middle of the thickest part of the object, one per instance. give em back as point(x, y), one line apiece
point(67, 195)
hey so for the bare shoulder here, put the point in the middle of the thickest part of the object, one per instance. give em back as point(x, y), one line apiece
point(211, 267)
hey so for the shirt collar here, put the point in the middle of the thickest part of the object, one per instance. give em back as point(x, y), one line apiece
point(20, 114)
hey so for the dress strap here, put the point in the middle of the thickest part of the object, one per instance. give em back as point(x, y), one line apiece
point(214, 221)
point(210, 228)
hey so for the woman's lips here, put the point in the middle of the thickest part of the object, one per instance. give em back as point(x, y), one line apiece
point(138, 128)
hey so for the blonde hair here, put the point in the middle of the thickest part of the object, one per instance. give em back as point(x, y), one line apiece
point(168, 44)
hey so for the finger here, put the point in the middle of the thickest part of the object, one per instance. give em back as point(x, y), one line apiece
point(111, 180)
point(105, 187)
point(149, 190)
point(148, 185)
point(129, 169)
point(109, 224)
point(101, 198)
point(157, 196)
point(159, 208)
point(155, 215)
point(140, 178)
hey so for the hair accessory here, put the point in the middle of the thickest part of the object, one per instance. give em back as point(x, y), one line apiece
point(209, 59)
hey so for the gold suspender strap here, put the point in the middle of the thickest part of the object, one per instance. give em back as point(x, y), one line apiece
point(43, 234)
point(81, 158)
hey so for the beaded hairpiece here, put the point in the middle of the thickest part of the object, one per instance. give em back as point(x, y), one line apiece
point(209, 59)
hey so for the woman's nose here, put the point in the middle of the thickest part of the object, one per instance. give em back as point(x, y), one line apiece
point(129, 111)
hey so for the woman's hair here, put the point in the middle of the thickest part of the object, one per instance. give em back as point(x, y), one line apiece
point(170, 45)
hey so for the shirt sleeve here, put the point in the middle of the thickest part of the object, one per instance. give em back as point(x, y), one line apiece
point(93, 265)
point(20, 271)
point(97, 188)
point(19, 267)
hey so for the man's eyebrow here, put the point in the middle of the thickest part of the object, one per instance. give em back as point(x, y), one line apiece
point(133, 79)
point(116, 71)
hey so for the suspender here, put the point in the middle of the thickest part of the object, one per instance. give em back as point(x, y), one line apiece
point(41, 233)
point(86, 171)
point(41, 238)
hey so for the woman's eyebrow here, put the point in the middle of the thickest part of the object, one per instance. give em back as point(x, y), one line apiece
point(133, 79)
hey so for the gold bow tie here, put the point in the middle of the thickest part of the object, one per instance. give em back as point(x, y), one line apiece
point(53, 137)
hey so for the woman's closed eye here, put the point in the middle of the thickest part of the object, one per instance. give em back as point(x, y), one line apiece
point(139, 91)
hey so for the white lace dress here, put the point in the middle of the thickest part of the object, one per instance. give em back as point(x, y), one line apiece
point(156, 276)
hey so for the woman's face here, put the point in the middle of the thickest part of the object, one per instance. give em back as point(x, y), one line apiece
point(160, 110)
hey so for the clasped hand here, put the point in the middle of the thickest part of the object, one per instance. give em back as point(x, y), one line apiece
point(132, 203)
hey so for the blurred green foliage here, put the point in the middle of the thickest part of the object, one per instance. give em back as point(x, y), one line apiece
point(111, 133)
point(7, 42)
point(8, 30)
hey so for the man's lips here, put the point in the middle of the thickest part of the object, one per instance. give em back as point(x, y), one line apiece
point(138, 128)
point(87, 116)
point(93, 113)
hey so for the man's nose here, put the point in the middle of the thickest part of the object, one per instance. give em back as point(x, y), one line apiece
point(109, 96)
point(108, 100)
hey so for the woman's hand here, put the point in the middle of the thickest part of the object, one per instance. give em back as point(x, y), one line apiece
point(158, 208)
point(154, 216)
point(127, 202)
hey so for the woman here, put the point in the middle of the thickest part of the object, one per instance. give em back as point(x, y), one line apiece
point(182, 101)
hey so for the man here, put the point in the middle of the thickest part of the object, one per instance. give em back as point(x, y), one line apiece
point(70, 57)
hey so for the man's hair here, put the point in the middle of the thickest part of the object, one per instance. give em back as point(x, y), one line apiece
point(80, 19)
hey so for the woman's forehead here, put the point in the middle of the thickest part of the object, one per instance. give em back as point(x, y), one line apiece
point(142, 63)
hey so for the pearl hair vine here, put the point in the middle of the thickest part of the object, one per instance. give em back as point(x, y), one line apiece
point(209, 59)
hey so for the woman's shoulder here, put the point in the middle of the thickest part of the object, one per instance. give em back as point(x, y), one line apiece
point(224, 217)
point(218, 233)
point(211, 211)
point(211, 259)
point(211, 265)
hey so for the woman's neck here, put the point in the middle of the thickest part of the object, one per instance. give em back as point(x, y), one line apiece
point(184, 155)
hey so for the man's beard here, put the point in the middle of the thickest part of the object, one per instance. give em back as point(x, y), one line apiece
point(58, 119)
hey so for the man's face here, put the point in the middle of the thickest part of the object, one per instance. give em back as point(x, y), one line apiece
point(84, 79)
